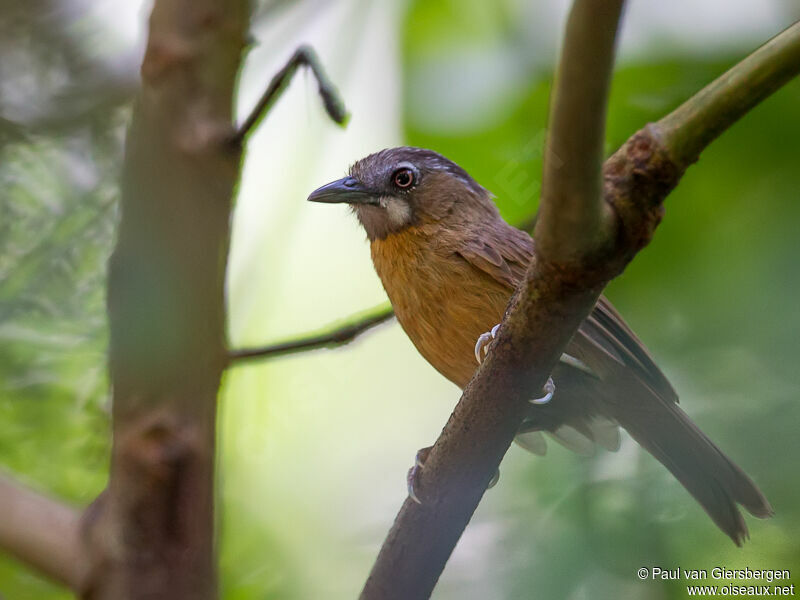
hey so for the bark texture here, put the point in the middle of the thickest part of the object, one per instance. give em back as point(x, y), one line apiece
point(151, 535)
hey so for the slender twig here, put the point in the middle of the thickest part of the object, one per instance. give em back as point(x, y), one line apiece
point(303, 56)
point(546, 310)
point(42, 533)
point(688, 129)
point(338, 336)
point(571, 218)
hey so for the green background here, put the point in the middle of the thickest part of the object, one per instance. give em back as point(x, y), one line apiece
point(313, 449)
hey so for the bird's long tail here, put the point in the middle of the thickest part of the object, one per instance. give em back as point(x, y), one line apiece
point(711, 477)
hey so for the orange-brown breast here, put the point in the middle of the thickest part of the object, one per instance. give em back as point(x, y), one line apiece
point(442, 302)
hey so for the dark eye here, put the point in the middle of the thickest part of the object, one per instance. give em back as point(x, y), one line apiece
point(403, 178)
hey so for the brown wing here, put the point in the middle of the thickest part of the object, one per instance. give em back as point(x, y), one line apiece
point(630, 389)
point(605, 325)
point(504, 252)
point(501, 251)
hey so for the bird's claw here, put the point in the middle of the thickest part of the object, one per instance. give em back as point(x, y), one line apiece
point(549, 389)
point(413, 473)
point(482, 345)
point(482, 349)
point(419, 464)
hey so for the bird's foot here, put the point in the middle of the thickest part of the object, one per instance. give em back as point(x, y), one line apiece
point(549, 389)
point(419, 464)
point(414, 472)
point(493, 481)
point(482, 349)
point(482, 345)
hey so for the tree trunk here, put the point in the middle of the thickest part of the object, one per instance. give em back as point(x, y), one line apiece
point(151, 534)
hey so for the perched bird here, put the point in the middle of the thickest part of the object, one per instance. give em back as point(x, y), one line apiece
point(449, 264)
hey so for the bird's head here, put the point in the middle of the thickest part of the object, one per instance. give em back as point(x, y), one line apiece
point(398, 188)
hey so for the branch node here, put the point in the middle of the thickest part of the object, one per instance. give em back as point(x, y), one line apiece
point(331, 100)
point(637, 178)
point(157, 448)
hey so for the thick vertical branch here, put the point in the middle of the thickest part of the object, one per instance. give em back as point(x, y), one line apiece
point(153, 536)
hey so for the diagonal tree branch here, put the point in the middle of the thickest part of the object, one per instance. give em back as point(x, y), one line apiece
point(543, 316)
point(303, 56)
point(554, 298)
point(339, 335)
point(42, 533)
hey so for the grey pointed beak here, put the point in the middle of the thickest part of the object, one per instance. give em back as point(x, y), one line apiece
point(347, 189)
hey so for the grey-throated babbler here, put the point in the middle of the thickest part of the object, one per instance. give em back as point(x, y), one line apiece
point(449, 264)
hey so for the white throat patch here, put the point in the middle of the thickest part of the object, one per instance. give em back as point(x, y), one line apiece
point(397, 211)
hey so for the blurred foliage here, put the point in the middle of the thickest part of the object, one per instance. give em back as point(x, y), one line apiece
point(60, 142)
point(714, 296)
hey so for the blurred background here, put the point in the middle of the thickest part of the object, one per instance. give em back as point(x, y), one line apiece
point(314, 448)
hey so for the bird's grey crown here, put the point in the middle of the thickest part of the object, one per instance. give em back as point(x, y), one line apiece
point(385, 161)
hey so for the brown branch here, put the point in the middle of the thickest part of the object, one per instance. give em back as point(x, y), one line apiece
point(303, 56)
point(152, 534)
point(339, 335)
point(42, 532)
point(543, 315)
